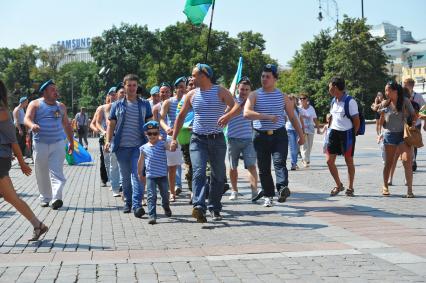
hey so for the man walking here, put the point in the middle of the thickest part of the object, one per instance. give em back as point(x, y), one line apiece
point(82, 121)
point(265, 107)
point(341, 140)
point(125, 134)
point(48, 120)
point(208, 102)
point(18, 119)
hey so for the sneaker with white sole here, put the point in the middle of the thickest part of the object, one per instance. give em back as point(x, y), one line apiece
point(233, 196)
point(268, 202)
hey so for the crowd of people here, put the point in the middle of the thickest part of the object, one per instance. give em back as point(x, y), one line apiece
point(144, 143)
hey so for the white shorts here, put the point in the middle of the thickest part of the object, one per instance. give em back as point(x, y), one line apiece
point(174, 158)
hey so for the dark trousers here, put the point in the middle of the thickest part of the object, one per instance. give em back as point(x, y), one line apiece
point(187, 159)
point(104, 174)
point(275, 146)
point(82, 135)
point(22, 139)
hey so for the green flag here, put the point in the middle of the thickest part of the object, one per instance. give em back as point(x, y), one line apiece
point(196, 10)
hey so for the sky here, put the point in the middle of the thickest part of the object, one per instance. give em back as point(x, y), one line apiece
point(285, 24)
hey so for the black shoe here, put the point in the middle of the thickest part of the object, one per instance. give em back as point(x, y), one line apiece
point(152, 220)
point(168, 211)
point(414, 166)
point(198, 214)
point(44, 204)
point(139, 212)
point(259, 195)
point(215, 215)
point(127, 208)
point(121, 189)
point(226, 187)
point(57, 204)
point(283, 194)
point(178, 191)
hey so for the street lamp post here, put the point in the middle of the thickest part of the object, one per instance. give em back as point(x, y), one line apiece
point(362, 8)
point(72, 94)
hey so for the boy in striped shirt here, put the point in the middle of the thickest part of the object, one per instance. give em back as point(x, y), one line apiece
point(153, 158)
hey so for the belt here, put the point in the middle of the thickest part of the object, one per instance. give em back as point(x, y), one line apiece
point(268, 132)
point(210, 136)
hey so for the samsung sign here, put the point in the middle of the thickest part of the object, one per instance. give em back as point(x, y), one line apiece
point(79, 43)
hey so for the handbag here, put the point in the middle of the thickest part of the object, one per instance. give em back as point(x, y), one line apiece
point(412, 136)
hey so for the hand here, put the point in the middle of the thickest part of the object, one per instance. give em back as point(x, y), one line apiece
point(223, 121)
point(70, 147)
point(169, 131)
point(35, 128)
point(318, 131)
point(273, 118)
point(25, 169)
point(301, 140)
point(173, 145)
point(107, 146)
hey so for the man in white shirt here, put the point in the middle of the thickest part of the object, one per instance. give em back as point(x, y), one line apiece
point(341, 139)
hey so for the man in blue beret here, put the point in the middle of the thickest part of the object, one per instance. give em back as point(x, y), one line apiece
point(155, 96)
point(48, 120)
point(165, 93)
point(18, 120)
point(209, 102)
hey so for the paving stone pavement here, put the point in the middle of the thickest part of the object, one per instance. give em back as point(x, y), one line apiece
point(310, 238)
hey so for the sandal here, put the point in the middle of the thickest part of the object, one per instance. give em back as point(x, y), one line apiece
point(336, 190)
point(349, 192)
point(385, 192)
point(172, 198)
point(409, 195)
point(38, 232)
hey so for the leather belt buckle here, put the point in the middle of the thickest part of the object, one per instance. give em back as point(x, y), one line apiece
point(269, 132)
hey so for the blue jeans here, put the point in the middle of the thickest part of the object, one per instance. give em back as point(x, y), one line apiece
point(179, 176)
point(114, 172)
point(127, 158)
point(151, 188)
point(275, 145)
point(294, 147)
point(213, 149)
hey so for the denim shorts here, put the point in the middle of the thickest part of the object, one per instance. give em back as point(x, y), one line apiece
point(393, 138)
point(236, 147)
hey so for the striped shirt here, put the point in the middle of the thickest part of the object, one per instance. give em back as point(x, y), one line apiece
point(208, 108)
point(171, 115)
point(131, 136)
point(155, 159)
point(49, 118)
point(270, 103)
point(239, 127)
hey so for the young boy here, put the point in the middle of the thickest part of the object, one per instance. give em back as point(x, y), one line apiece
point(153, 158)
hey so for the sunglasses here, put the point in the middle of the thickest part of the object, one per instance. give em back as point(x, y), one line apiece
point(152, 134)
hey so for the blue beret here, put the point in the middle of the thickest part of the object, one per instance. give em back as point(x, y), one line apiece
point(154, 90)
point(165, 84)
point(22, 99)
point(205, 69)
point(151, 125)
point(179, 80)
point(112, 89)
point(45, 85)
point(119, 86)
point(271, 68)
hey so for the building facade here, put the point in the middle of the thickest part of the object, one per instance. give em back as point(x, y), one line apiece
point(77, 50)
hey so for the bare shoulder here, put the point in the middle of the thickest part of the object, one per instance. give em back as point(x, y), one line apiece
point(63, 107)
point(34, 103)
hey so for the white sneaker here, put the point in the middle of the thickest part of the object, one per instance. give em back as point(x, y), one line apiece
point(233, 196)
point(268, 202)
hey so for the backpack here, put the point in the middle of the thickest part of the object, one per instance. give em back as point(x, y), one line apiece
point(361, 130)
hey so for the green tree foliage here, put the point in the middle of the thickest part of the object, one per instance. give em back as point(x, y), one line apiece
point(351, 53)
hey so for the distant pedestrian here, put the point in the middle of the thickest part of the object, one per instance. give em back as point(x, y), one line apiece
point(153, 160)
point(18, 120)
point(48, 120)
point(293, 135)
point(310, 122)
point(82, 122)
point(341, 140)
point(8, 144)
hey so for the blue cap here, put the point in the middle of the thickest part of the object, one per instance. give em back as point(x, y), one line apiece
point(154, 90)
point(112, 89)
point(205, 69)
point(22, 99)
point(271, 68)
point(179, 80)
point(45, 85)
point(151, 125)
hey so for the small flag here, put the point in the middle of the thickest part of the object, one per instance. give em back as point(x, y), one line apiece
point(196, 10)
point(237, 77)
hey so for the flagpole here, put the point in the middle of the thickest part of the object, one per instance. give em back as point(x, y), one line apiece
point(210, 30)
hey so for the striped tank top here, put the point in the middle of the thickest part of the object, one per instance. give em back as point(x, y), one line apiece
point(49, 118)
point(155, 159)
point(131, 136)
point(239, 127)
point(171, 115)
point(270, 103)
point(208, 108)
